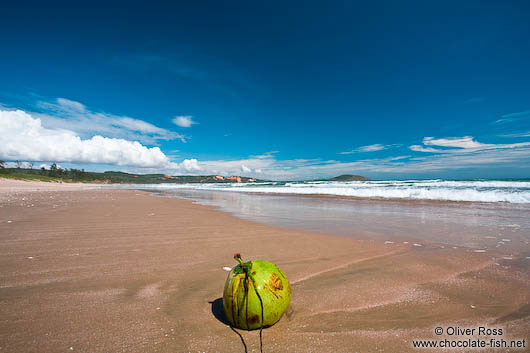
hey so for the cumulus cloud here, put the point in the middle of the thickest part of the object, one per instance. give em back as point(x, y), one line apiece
point(183, 121)
point(23, 137)
point(189, 165)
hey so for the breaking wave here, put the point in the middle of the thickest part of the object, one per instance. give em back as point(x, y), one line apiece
point(473, 191)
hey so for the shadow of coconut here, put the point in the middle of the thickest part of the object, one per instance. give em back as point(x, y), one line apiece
point(219, 313)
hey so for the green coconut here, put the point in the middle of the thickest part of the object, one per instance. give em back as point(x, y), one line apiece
point(256, 294)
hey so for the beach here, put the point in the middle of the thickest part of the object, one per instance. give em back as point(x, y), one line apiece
point(91, 269)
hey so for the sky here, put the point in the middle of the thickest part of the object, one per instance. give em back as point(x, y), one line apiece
point(273, 90)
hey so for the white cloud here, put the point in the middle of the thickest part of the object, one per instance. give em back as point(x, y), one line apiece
point(268, 167)
point(23, 137)
point(71, 105)
point(235, 167)
point(265, 155)
point(419, 148)
point(183, 121)
point(141, 126)
point(74, 116)
point(295, 169)
point(66, 132)
point(370, 148)
point(459, 142)
point(245, 169)
point(502, 121)
point(458, 145)
point(189, 165)
point(397, 158)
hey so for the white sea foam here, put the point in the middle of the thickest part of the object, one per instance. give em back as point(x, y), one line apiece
point(475, 191)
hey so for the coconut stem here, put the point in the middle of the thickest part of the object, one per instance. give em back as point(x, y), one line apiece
point(246, 268)
point(238, 258)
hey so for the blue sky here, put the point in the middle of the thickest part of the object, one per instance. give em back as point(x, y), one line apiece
point(410, 89)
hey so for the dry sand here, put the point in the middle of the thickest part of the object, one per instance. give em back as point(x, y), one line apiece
point(10, 186)
point(123, 271)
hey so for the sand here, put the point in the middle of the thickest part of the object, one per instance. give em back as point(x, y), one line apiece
point(106, 270)
point(8, 186)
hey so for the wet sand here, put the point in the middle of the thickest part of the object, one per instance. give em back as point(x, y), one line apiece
point(124, 271)
point(492, 227)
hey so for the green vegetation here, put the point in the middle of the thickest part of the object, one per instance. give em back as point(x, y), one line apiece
point(57, 174)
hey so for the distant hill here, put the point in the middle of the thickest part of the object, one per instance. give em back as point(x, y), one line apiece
point(76, 175)
point(346, 177)
point(82, 176)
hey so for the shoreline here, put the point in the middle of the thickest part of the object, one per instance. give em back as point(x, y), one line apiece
point(332, 196)
point(47, 185)
point(122, 270)
point(24, 186)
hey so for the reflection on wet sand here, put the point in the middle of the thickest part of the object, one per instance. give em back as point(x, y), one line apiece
point(481, 226)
